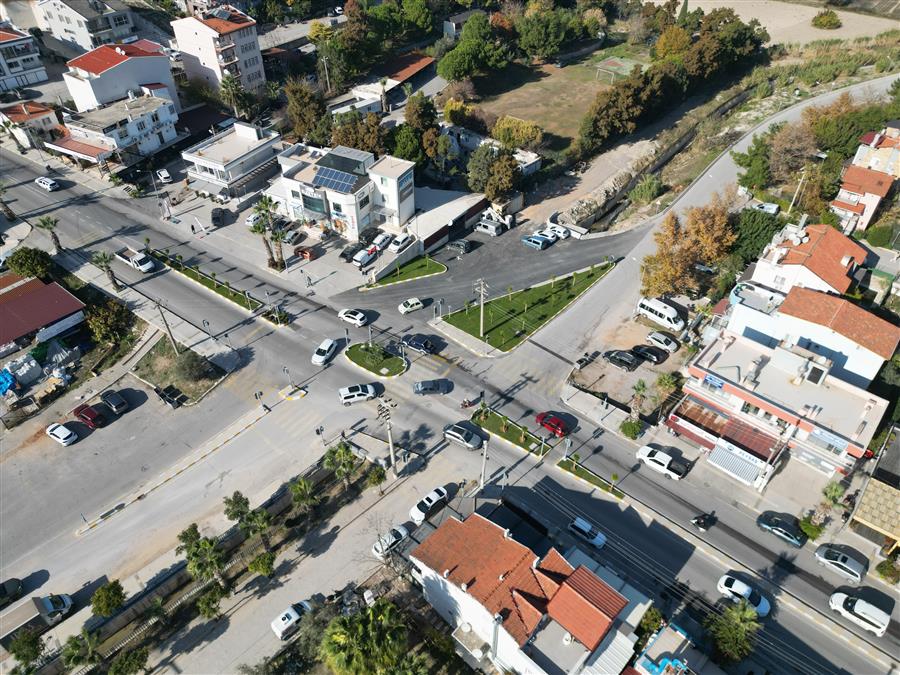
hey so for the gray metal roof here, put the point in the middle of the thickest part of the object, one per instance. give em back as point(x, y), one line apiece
point(89, 8)
point(733, 464)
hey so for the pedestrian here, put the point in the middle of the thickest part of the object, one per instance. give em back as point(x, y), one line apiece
point(193, 229)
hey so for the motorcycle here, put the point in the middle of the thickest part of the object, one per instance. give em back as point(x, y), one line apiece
point(466, 403)
point(702, 522)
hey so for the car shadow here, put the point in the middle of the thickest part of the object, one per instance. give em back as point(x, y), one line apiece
point(34, 581)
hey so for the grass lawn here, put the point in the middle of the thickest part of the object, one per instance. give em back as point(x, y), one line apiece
point(509, 319)
point(493, 422)
point(419, 267)
point(159, 366)
point(222, 288)
point(375, 359)
point(589, 476)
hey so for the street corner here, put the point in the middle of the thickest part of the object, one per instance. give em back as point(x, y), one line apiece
point(291, 393)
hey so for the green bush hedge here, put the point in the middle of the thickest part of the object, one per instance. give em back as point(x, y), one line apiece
point(879, 236)
point(827, 19)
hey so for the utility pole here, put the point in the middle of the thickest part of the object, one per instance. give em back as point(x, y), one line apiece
point(384, 413)
point(797, 191)
point(480, 288)
point(327, 79)
point(484, 456)
point(166, 324)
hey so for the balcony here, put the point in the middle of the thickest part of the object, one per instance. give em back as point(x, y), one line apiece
point(227, 58)
point(224, 43)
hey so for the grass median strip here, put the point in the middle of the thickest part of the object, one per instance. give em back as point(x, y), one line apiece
point(510, 431)
point(419, 267)
point(511, 318)
point(223, 288)
point(376, 360)
point(585, 474)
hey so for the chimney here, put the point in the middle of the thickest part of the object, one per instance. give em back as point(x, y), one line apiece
point(464, 586)
point(802, 222)
point(502, 576)
point(446, 573)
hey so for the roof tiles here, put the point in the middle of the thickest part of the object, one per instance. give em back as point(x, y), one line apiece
point(22, 112)
point(586, 607)
point(860, 180)
point(104, 57)
point(824, 254)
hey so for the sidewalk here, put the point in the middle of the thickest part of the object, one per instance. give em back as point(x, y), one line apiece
point(468, 342)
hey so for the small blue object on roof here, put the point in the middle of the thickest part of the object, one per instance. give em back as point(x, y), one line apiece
point(7, 381)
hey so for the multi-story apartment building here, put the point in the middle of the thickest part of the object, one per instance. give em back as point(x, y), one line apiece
point(219, 42)
point(344, 188)
point(20, 61)
point(86, 24)
point(110, 72)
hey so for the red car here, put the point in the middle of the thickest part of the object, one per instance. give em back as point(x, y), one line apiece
point(552, 423)
point(88, 414)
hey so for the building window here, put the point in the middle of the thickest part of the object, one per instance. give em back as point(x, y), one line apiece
point(750, 409)
point(780, 281)
point(120, 20)
point(296, 195)
point(364, 202)
point(141, 126)
point(155, 117)
point(336, 208)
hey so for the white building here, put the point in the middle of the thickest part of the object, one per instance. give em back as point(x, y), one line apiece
point(860, 195)
point(517, 612)
point(30, 122)
point(20, 61)
point(345, 188)
point(226, 162)
point(86, 24)
point(219, 42)
point(880, 151)
point(110, 72)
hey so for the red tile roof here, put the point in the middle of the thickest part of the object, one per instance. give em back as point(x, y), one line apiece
point(148, 46)
point(824, 254)
point(858, 208)
point(860, 180)
point(586, 607)
point(235, 21)
point(843, 317)
point(7, 34)
point(22, 112)
point(104, 57)
point(868, 137)
point(27, 312)
point(80, 147)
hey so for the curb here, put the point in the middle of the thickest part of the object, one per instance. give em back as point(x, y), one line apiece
point(366, 289)
point(373, 373)
point(251, 312)
point(609, 494)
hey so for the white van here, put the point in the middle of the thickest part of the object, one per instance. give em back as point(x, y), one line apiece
point(364, 257)
point(490, 228)
point(860, 612)
point(659, 312)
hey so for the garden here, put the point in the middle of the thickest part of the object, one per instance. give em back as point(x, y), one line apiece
point(187, 371)
point(376, 359)
point(414, 269)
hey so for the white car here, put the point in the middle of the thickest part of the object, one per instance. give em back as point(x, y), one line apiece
point(356, 393)
point(663, 341)
point(860, 612)
point(736, 590)
point(587, 532)
point(47, 183)
point(324, 352)
point(355, 317)
point(558, 230)
point(659, 461)
point(289, 620)
point(364, 257)
point(164, 176)
point(428, 504)
point(410, 305)
point(547, 234)
point(456, 433)
point(382, 241)
point(401, 241)
point(389, 541)
point(62, 434)
point(254, 218)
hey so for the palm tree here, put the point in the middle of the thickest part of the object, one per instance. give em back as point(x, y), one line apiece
point(733, 630)
point(206, 561)
point(304, 496)
point(231, 90)
point(82, 650)
point(265, 207)
point(4, 207)
point(277, 237)
point(639, 393)
point(258, 522)
point(374, 641)
point(103, 260)
point(340, 459)
point(48, 223)
point(237, 506)
point(259, 228)
point(188, 539)
point(384, 102)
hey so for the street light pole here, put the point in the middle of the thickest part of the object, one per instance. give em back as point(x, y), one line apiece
point(287, 372)
point(484, 457)
point(206, 328)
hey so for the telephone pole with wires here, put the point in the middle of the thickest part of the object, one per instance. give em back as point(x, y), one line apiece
point(480, 288)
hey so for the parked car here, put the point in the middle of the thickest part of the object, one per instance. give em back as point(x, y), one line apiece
point(365, 256)
point(418, 343)
point(305, 252)
point(624, 360)
point(428, 505)
point(461, 245)
point(768, 207)
point(114, 401)
point(784, 526)
point(382, 241)
point(287, 622)
point(736, 590)
point(10, 591)
point(425, 387)
point(587, 532)
point(46, 183)
point(400, 243)
point(410, 305)
point(662, 462)
point(92, 418)
point(547, 234)
point(558, 230)
point(217, 217)
point(663, 341)
point(536, 242)
point(863, 614)
point(651, 354)
point(389, 541)
point(350, 251)
point(355, 317)
point(254, 218)
point(836, 560)
point(164, 176)
point(62, 434)
point(456, 433)
point(366, 237)
point(552, 423)
point(356, 393)
point(324, 352)
point(293, 237)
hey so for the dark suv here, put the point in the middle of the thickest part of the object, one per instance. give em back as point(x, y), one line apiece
point(351, 250)
point(622, 359)
point(461, 245)
point(366, 237)
point(217, 217)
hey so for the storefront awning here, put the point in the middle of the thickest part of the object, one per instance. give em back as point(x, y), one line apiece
point(740, 465)
point(205, 186)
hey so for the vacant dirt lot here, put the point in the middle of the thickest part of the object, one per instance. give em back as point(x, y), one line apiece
point(787, 22)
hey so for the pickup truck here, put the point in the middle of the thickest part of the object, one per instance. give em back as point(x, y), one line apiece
point(136, 259)
point(35, 613)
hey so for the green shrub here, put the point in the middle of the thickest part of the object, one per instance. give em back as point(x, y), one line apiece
point(888, 570)
point(879, 236)
point(763, 90)
point(810, 529)
point(107, 599)
point(263, 564)
point(630, 429)
point(647, 189)
point(827, 19)
point(208, 603)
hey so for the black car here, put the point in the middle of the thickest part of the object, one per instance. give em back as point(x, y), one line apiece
point(784, 526)
point(351, 250)
point(461, 245)
point(114, 401)
point(366, 237)
point(10, 591)
point(651, 354)
point(419, 343)
point(217, 217)
point(622, 359)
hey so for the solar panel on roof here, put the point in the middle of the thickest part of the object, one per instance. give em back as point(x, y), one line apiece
point(340, 181)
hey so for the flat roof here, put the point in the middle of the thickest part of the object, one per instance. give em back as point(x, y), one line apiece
point(438, 208)
point(232, 144)
point(673, 646)
point(25, 313)
point(391, 167)
point(118, 111)
point(756, 297)
point(842, 408)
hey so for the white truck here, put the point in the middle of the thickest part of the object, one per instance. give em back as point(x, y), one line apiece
point(136, 259)
point(35, 613)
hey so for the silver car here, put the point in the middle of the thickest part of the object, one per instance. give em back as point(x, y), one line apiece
point(456, 433)
point(841, 563)
point(389, 541)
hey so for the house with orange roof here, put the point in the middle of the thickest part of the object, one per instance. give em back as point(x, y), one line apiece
point(219, 42)
point(516, 611)
point(860, 195)
point(879, 151)
point(29, 121)
point(110, 73)
point(20, 60)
